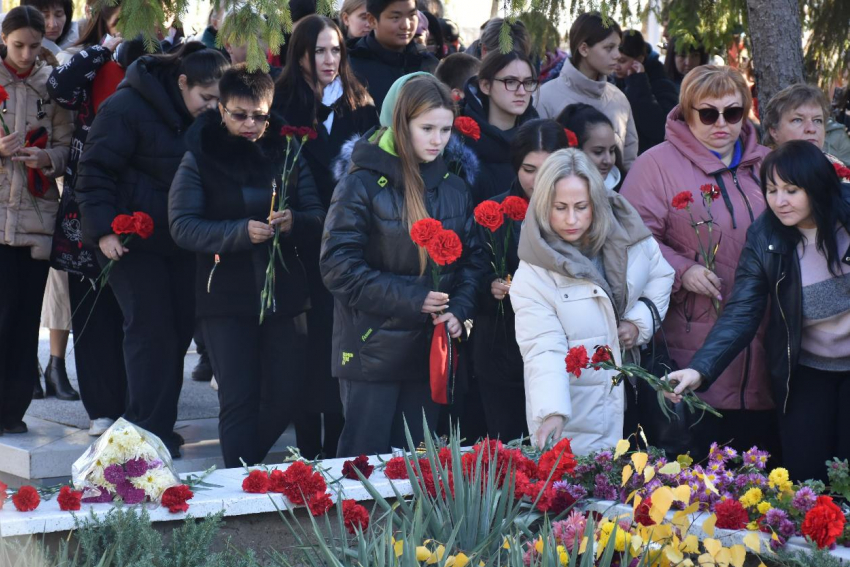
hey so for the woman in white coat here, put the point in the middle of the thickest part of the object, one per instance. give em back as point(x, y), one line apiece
point(585, 260)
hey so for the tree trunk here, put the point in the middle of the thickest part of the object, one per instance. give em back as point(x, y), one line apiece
point(494, 8)
point(777, 40)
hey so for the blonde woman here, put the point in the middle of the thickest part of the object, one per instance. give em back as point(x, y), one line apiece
point(586, 259)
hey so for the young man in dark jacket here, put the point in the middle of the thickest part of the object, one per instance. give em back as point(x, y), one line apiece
point(388, 52)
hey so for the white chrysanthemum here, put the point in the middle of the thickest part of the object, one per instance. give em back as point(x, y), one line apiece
point(111, 452)
point(154, 482)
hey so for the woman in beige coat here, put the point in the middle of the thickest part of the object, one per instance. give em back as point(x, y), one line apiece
point(586, 260)
point(595, 50)
point(31, 156)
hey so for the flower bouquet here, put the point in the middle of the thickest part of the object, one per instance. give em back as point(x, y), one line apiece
point(708, 251)
point(491, 215)
point(126, 463)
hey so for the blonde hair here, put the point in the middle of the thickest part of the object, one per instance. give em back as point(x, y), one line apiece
point(712, 81)
point(563, 164)
point(418, 95)
point(790, 99)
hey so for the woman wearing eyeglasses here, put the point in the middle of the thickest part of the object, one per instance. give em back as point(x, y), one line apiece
point(709, 141)
point(219, 208)
point(499, 100)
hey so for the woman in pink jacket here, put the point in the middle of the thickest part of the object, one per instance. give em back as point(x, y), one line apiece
point(709, 141)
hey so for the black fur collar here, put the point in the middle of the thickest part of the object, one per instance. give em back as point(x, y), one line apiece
point(246, 162)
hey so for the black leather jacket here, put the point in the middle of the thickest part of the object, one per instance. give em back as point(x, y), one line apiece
point(768, 268)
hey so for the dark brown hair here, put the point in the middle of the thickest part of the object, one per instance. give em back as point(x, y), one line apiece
point(496, 61)
point(590, 28)
point(47, 5)
point(23, 17)
point(96, 27)
point(456, 69)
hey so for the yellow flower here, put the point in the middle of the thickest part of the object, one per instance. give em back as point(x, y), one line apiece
point(763, 507)
point(563, 557)
point(753, 526)
point(538, 545)
point(751, 498)
point(780, 480)
point(605, 534)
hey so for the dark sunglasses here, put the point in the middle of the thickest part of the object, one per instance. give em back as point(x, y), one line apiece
point(709, 116)
point(242, 117)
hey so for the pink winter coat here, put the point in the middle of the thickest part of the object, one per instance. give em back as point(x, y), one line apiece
point(682, 163)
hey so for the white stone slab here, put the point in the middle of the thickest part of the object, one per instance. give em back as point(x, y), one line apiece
point(230, 498)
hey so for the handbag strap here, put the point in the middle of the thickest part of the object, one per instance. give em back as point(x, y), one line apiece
point(656, 316)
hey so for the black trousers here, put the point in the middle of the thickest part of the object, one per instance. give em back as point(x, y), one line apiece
point(741, 429)
point(98, 326)
point(260, 374)
point(156, 295)
point(814, 427)
point(375, 415)
point(22, 282)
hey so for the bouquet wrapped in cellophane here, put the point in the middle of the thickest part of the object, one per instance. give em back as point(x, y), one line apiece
point(126, 463)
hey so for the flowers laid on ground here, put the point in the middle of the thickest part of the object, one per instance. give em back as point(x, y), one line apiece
point(126, 463)
point(361, 464)
point(26, 499)
point(299, 482)
point(708, 251)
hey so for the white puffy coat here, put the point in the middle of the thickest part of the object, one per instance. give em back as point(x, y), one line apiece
point(561, 302)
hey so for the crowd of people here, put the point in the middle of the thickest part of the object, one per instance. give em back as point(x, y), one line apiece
point(282, 206)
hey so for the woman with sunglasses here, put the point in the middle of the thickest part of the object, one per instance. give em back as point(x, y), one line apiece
point(219, 209)
point(709, 141)
point(499, 100)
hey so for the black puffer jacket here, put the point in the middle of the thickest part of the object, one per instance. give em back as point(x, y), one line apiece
point(133, 149)
point(371, 266)
point(223, 182)
point(652, 96)
point(768, 269)
point(378, 68)
point(494, 147)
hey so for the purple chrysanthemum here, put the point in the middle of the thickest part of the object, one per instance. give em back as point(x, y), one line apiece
point(135, 467)
point(805, 499)
point(603, 489)
point(130, 494)
point(775, 517)
point(114, 474)
point(757, 458)
point(777, 543)
point(787, 529)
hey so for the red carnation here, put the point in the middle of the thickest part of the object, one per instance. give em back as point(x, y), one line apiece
point(290, 131)
point(396, 469)
point(823, 523)
point(642, 513)
point(175, 498)
point(69, 500)
point(299, 481)
point(26, 499)
point(124, 224)
point(602, 354)
point(424, 230)
point(842, 171)
point(305, 132)
point(445, 248)
point(276, 481)
point(257, 482)
point(559, 459)
point(731, 515)
point(144, 224)
point(710, 191)
point(4, 95)
point(683, 200)
point(489, 215)
point(354, 516)
point(361, 463)
point(319, 503)
point(515, 207)
point(572, 139)
point(468, 127)
point(3, 487)
point(576, 360)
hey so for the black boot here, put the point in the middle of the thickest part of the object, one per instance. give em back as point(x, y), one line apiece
point(203, 371)
point(37, 392)
point(56, 381)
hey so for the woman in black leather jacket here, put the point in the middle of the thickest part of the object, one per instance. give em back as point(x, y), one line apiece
point(219, 208)
point(797, 255)
point(385, 304)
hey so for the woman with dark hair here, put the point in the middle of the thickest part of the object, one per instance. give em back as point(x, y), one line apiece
point(131, 155)
point(32, 156)
point(797, 255)
point(594, 49)
point(596, 138)
point(386, 310)
point(499, 100)
point(435, 44)
point(103, 20)
point(497, 360)
point(679, 62)
point(640, 75)
point(58, 21)
point(318, 89)
point(219, 209)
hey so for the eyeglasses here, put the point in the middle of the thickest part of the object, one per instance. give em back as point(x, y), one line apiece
point(709, 116)
point(242, 116)
point(512, 85)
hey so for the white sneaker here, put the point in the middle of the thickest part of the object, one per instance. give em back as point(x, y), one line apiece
point(214, 384)
point(99, 426)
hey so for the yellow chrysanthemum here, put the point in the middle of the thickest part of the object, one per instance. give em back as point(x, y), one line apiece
point(764, 507)
point(751, 498)
point(605, 534)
